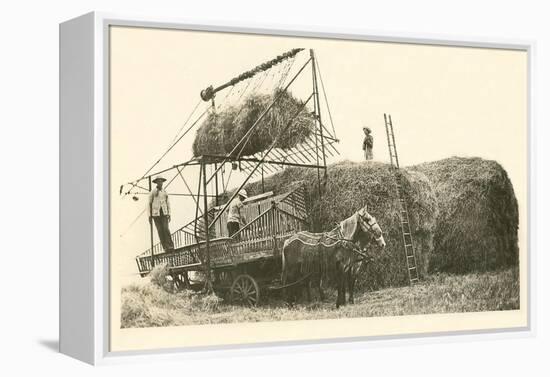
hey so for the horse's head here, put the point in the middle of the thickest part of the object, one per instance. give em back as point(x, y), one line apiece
point(368, 225)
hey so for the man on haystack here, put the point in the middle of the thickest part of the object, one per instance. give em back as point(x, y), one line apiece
point(368, 142)
point(159, 212)
point(234, 217)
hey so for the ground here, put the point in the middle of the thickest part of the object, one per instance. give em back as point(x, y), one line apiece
point(149, 305)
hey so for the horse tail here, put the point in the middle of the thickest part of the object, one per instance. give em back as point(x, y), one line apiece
point(283, 263)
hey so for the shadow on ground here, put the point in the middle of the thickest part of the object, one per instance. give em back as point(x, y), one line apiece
point(52, 345)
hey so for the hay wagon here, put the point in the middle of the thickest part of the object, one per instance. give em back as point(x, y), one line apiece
point(282, 132)
point(244, 266)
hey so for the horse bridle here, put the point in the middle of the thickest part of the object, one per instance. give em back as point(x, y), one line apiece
point(371, 226)
point(353, 246)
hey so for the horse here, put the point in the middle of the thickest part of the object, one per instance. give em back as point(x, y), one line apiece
point(311, 256)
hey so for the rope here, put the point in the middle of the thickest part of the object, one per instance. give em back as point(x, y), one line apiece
point(186, 121)
point(289, 65)
point(132, 223)
point(325, 96)
point(283, 76)
point(225, 102)
point(169, 149)
point(143, 211)
point(228, 179)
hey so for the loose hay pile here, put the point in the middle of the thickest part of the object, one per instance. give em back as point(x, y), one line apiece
point(477, 226)
point(353, 185)
point(463, 213)
point(221, 132)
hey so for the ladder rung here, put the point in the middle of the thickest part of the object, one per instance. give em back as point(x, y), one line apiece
point(406, 234)
point(412, 268)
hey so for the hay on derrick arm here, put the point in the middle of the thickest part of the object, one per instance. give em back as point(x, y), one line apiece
point(222, 131)
point(477, 226)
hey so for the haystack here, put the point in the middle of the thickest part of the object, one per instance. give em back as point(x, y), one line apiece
point(477, 225)
point(222, 131)
point(353, 185)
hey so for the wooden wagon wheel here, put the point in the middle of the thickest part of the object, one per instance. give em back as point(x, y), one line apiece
point(245, 291)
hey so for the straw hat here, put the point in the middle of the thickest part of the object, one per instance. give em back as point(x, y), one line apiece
point(159, 178)
point(243, 194)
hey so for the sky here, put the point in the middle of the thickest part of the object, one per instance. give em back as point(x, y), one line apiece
point(444, 101)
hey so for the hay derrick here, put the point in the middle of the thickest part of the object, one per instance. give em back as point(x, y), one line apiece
point(222, 131)
point(477, 226)
point(351, 186)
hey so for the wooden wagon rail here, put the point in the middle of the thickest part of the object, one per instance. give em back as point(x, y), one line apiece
point(262, 237)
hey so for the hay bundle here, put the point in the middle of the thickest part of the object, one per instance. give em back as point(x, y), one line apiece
point(478, 215)
point(351, 186)
point(222, 131)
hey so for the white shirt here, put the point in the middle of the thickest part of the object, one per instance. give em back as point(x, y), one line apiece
point(157, 200)
point(234, 211)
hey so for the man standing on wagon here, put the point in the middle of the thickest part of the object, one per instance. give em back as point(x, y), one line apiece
point(159, 212)
point(234, 216)
point(368, 143)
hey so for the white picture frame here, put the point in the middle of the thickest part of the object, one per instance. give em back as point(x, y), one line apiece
point(84, 187)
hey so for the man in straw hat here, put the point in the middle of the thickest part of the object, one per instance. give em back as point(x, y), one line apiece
point(368, 143)
point(159, 212)
point(234, 217)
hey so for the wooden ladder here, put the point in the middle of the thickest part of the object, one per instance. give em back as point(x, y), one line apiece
point(410, 256)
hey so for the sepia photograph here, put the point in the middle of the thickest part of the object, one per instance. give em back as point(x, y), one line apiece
point(312, 183)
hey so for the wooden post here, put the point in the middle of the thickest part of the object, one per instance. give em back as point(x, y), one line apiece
point(208, 285)
point(151, 225)
point(216, 183)
point(318, 108)
point(393, 141)
point(263, 185)
point(316, 113)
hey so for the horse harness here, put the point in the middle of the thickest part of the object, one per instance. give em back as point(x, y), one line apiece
point(317, 239)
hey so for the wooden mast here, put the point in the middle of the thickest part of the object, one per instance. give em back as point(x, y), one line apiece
point(151, 226)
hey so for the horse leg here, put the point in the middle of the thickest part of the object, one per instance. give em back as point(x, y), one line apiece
point(340, 284)
point(308, 289)
point(320, 286)
point(351, 285)
point(289, 294)
point(286, 290)
point(344, 285)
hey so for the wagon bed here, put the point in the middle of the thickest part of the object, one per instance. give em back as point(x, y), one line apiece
point(274, 219)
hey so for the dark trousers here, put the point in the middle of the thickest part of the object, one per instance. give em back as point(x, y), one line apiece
point(161, 223)
point(232, 228)
point(368, 154)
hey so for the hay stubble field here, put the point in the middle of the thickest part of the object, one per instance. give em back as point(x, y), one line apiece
point(149, 305)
